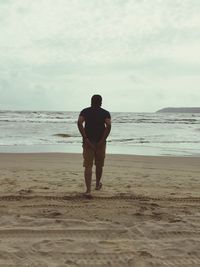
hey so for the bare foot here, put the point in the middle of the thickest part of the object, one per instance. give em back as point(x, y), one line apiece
point(88, 195)
point(98, 187)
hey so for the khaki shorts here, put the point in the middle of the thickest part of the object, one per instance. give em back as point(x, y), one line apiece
point(96, 155)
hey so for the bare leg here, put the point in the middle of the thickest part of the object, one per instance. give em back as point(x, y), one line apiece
point(99, 171)
point(88, 179)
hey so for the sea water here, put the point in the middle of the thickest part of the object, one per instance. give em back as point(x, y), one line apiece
point(174, 134)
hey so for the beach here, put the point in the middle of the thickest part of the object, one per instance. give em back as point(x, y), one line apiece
point(146, 214)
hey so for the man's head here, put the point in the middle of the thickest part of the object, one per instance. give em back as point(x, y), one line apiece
point(96, 101)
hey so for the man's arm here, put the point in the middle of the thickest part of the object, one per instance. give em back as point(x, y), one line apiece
point(106, 131)
point(80, 122)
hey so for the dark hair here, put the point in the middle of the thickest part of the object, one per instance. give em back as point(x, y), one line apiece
point(96, 101)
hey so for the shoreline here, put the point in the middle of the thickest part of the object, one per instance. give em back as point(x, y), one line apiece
point(111, 150)
point(107, 155)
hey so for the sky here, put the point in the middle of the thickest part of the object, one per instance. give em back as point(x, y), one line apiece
point(140, 55)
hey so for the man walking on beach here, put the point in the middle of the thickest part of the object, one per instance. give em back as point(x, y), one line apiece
point(94, 124)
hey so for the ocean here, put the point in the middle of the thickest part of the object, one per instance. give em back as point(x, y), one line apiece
point(171, 134)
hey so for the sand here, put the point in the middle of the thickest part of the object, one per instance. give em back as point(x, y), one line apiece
point(147, 213)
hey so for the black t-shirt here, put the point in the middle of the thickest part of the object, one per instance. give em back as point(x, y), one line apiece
point(95, 122)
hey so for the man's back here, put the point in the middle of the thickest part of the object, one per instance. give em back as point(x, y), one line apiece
point(95, 122)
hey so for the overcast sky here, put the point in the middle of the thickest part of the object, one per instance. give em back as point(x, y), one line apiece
point(141, 55)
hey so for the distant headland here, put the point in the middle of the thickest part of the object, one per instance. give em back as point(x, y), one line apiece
point(179, 110)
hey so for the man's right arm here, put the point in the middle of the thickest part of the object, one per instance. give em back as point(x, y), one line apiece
point(106, 131)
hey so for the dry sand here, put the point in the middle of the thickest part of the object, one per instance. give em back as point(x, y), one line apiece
point(147, 213)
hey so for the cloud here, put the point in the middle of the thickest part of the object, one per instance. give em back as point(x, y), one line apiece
point(69, 46)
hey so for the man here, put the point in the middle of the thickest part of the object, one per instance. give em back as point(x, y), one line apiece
point(94, 124)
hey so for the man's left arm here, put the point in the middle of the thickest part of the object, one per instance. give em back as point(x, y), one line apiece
point(80, 122)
